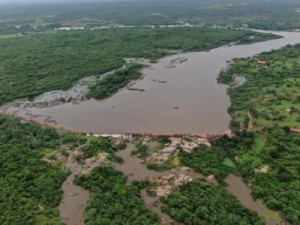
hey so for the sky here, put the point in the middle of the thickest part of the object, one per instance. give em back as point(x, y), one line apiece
point(40, 1)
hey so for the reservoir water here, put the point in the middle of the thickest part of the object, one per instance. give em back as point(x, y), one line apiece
point(181, 96)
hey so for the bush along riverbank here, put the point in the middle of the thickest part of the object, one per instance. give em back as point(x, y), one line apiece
point(113, 199)
point(267, 105)
point(109, 85)
point(35, 64)
point(30, 186)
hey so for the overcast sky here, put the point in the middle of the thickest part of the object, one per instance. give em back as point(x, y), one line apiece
point(36, 1)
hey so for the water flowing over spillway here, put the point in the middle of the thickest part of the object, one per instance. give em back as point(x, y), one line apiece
point(180, 96)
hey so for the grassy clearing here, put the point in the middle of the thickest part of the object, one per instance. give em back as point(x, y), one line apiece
point(271, 95)
point(253, 157)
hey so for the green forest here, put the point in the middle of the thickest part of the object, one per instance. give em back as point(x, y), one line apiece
point(219, 159)
point(271, 97)
point(271, 15)
point(32, 65)
point(265, 110)
point(113, 202)
point(198, 203)
point(30, 187)
point(109, 85)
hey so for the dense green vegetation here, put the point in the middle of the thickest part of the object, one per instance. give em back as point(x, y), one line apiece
point(109, 85)
point(141, 150)
point(218, 159)
point(94, 146)
point(267, 15)
point(112, 202)
point(270, 93)
point(271, 97)
point(30, 187)
point(273, 14)
point(32, 65)
point(34, 60)
point(201, 203)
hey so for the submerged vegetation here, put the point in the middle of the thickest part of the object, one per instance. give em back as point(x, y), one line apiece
point(265, 110)
point(32, 65)
point(109, 85)
point(113, 202)
point(265, 154)
point(201, 203)
point(31, 174)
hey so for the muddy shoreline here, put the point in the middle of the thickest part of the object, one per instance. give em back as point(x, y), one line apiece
point(242, 192)
point(178, 94)
point(75, 198)
point(160, 90)
point(135, 168)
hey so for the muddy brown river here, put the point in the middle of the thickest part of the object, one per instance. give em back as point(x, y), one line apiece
point(239, 189)
point(181, 96)
point(135, 169)
point(241, 192)
point(75, 198)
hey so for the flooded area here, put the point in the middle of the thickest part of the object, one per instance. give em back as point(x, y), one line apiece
point(240, 190)
point(154, 204)
point(75, 198)
point(161, 183)
point(134, 167)
point(181, 96)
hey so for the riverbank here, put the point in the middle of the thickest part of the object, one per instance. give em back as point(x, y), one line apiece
point(165, 92)
point(162, 184)
point(268, 104)
point(187, 92)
